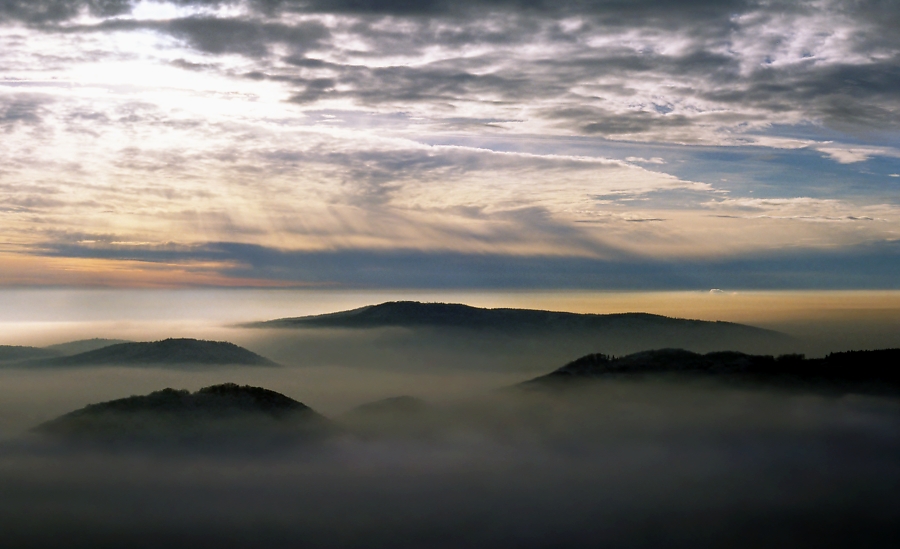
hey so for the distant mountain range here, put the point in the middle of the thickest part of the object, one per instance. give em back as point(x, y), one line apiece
point(83, 345)
point(411, 314)
point(624, 332)
point(867, 371)
point(223, 413)
point(166, 352)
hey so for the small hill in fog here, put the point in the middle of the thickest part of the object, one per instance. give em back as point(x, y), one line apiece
point(165, 352)
point(393, 407)
point(217, 413)
point(400, 416)
point(15, 353)
point(877, 371)
point(83, 345)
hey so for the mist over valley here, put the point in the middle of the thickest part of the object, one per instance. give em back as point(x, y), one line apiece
point(442, 425)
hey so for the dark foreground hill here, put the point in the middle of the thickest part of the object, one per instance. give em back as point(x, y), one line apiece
point(166, 352)
point(867, 371)
point(226, 413)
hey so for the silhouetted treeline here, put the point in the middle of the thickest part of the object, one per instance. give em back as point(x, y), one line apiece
point(863, 370)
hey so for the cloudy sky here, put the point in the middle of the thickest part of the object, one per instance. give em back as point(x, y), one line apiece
point(604, 144)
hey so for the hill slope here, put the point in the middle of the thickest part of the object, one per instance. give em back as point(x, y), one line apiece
point(83, 345)
point(165, 352)
point(13, 353)
point(877, 371)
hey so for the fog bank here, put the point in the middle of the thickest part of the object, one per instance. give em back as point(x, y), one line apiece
point(620, 464)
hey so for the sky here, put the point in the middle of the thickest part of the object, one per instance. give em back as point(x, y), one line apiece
point(510, 144)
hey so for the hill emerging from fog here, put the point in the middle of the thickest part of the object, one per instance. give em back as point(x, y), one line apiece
point(166, 352)
point(533, 337)
point(866, 371)
point(224, 412)
point(412, 314)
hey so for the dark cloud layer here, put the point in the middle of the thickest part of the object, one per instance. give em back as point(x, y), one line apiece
point(281, 75)
point(844, 92)
point(873, 266)
point(617, 10)
point(21, 109)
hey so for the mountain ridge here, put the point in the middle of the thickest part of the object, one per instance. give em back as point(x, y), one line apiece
point(408, 313)
point(457, 315)
point(516, 330)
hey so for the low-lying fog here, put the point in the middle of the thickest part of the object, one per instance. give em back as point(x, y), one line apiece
point(620, 464)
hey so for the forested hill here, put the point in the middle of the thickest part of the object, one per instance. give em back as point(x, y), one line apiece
point(227, 412)
point(853, 370)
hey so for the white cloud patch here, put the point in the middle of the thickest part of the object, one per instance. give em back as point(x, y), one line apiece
point(851, 155)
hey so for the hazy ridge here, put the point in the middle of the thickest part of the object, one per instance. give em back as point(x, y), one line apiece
point(164, 352)
point(83, 345)
point(10, 353)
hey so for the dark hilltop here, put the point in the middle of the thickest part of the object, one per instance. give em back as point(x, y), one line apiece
point(859, 371)
point(168, 352)
point(223, 413)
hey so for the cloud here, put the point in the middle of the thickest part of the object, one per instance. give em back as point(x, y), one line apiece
point(806, 209)
point(850, 154)
point(504, 128)
point(21, 109)
point(668, 71)
point(869, 266)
